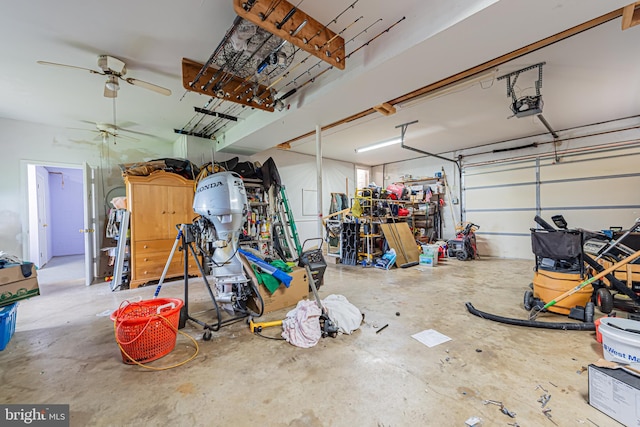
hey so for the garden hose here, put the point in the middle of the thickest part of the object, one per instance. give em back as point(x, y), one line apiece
point(565, 326)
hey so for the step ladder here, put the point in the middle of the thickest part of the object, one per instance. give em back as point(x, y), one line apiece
point(287, 233)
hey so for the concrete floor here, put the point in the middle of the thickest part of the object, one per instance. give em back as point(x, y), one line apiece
point(64, 351)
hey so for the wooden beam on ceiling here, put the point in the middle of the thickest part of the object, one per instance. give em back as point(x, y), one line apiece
point(234, 88)
point(478, 68)
point(385, 109)
point(630, 15)
point(312, 37)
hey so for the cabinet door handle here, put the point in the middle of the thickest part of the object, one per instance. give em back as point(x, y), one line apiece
point(145, 246)
point(146, 259)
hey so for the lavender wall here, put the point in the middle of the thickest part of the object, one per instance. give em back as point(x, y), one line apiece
point(67, 211)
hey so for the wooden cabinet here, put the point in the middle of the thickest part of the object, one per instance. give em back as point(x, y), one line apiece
point(157, 203)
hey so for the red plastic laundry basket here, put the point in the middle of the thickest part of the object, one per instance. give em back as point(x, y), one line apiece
point(147, 330)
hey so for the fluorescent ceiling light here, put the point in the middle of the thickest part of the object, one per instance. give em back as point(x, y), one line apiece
point(379, 145)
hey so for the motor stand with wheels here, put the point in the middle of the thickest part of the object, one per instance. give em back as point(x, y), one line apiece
point(186, 239)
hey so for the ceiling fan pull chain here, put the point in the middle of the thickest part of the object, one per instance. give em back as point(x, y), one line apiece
point(115, 124)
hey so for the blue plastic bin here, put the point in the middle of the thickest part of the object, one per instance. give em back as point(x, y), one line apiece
point(7, 323)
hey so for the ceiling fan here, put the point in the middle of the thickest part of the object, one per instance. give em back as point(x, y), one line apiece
point(115, 70)
point(104, 130)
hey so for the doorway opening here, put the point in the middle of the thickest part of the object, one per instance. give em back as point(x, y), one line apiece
point(61, 222)
point(362, 177)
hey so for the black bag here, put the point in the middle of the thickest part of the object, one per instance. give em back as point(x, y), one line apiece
point(245, 170)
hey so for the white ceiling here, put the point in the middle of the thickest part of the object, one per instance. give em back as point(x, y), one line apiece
point(588, 78)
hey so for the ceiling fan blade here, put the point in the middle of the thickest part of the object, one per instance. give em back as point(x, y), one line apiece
point(135, 132)
point(159, 89)
point(113, 129)
point(83, 129)
point(55, 64)
point(127, 137)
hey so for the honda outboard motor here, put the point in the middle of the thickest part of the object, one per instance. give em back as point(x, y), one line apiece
point(222, 201)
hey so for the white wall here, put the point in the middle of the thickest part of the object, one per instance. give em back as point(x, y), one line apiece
point(24, 141)
point(298, 173)
point(66, 203)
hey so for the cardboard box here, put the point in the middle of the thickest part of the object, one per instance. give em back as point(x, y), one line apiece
point(285, 297)
point(428, 260)
point(14, 272)
point(616, 393)
point(17, 282)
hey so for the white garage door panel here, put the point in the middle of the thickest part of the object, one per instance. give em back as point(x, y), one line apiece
point(503, 222)
point(600, 192)
point(520, 196)
point(505, 246)
point(512, 175)
point(589, 168)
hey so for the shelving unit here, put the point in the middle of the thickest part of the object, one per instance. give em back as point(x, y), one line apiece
point(254, 235)
point(427, 224)
point(369, 243)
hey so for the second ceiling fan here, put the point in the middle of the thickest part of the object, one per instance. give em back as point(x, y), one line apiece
point(115, 70)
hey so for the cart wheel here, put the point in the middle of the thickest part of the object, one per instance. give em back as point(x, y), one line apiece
point(207, 335)
point(589, 312)
point(604, 300)
point(528, 300)
point(462, 255)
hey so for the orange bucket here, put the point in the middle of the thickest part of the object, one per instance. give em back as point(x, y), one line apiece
point(598, 333)
point(147, 330)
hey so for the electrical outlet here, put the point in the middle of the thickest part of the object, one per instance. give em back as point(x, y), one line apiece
point(455, 201)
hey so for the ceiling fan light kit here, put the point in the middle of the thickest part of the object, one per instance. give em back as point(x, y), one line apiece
point(112, 83)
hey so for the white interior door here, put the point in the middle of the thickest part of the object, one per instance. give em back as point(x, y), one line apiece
point(90, 243)
point(43, 220)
